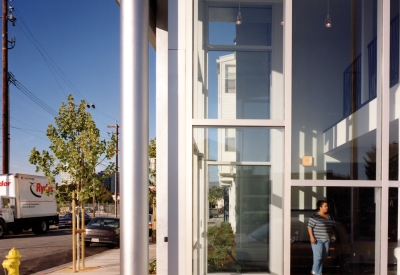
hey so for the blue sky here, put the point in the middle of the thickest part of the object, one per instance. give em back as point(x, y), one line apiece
point(64, 47)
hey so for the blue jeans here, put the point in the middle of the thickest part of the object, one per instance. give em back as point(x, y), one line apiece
point(320, 252)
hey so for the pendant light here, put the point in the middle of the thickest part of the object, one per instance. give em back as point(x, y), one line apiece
point(239, 17)
point(328, 21)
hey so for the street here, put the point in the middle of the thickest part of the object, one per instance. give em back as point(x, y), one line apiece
point(40, 252)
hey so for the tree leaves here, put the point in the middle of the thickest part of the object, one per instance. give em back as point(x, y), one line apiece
point(76, 149)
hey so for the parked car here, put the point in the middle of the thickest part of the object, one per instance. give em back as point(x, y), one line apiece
point(213, 213)
point(252, 249)
point(150, 224)
point(339, 257)
point(103, 230)
point(66, 220)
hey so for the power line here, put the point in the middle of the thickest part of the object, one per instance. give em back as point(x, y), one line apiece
point(105, 115)
point(27, 129)
point(20, 129)
point(51, 63)
point(29, 94)
point(26, 124)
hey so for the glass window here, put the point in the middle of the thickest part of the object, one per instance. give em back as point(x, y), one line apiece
point(348, 230)
point(230, 140)
point(334, 114)
point(393, 230)
point(394, 89)
point(238, 66)
point(237, 196)
point(254, 28)
point(230, 79)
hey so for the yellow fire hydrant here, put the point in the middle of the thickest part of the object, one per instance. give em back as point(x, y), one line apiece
point(12, 263)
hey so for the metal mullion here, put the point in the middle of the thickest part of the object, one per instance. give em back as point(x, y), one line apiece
point(241, 163)
point(287, 74)
point(395, 184)
point(337, 183)
point(237, 48)
point(245, 1)
point(383, 96)
point(239, 122)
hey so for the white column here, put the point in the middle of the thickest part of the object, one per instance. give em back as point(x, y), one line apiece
point(287, 74)
point(135, 137)
point(162, 135)
point(176, 137)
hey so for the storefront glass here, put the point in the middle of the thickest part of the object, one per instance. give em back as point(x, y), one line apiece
point(354, 235)
point(237, 193)
point(394, 90)
point(393, 232)
point(334, 121)
point(238, 68)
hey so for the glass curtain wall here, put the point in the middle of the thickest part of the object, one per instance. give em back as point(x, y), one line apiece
point(394, 88)
point(354, 235)
point(238, 61)
point(335, 125)
point(237, 193)
point(238, 171)
point(334, 90)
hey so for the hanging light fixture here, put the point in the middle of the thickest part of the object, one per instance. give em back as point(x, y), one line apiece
point(239, 17)
point(328, 21)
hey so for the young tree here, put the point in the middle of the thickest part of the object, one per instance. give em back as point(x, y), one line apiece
point(152, 154)
point(215, 194)
point(153, 192)
point(76, 149)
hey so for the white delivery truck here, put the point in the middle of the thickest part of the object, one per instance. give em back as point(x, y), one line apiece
point(25, 205)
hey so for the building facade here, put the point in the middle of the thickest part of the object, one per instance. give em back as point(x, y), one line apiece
point(280, 103)
point(66, 178)
point(109, 183)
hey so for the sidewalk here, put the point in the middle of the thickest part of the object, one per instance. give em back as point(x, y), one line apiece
point(107, 262)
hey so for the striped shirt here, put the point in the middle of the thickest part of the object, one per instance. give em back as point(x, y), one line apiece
point(321, 227)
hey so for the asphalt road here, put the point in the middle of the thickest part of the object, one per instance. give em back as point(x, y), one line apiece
point(40, 252)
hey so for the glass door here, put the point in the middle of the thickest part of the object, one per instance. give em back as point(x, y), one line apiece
point(238, 223)
point(237, 200)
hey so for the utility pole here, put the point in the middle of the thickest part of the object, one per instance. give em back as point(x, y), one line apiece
point(116, 166)
point(5, 105)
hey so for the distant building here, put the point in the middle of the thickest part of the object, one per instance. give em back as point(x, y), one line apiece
point(66, 178)
point(110, 183)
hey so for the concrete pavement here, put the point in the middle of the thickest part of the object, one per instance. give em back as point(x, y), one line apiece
point(107, 262)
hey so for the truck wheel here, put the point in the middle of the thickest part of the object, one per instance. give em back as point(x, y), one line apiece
point(345, 265)
point(41, 227)
point(2, 229)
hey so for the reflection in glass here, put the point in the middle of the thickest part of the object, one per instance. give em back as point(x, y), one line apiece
point(255, 27)
point(238, 68)
point(239, 85)
point(238, 224)
point(353, 241)
point(393, 230)
point(334, 90)
point(237, 200)
point(394, 90)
